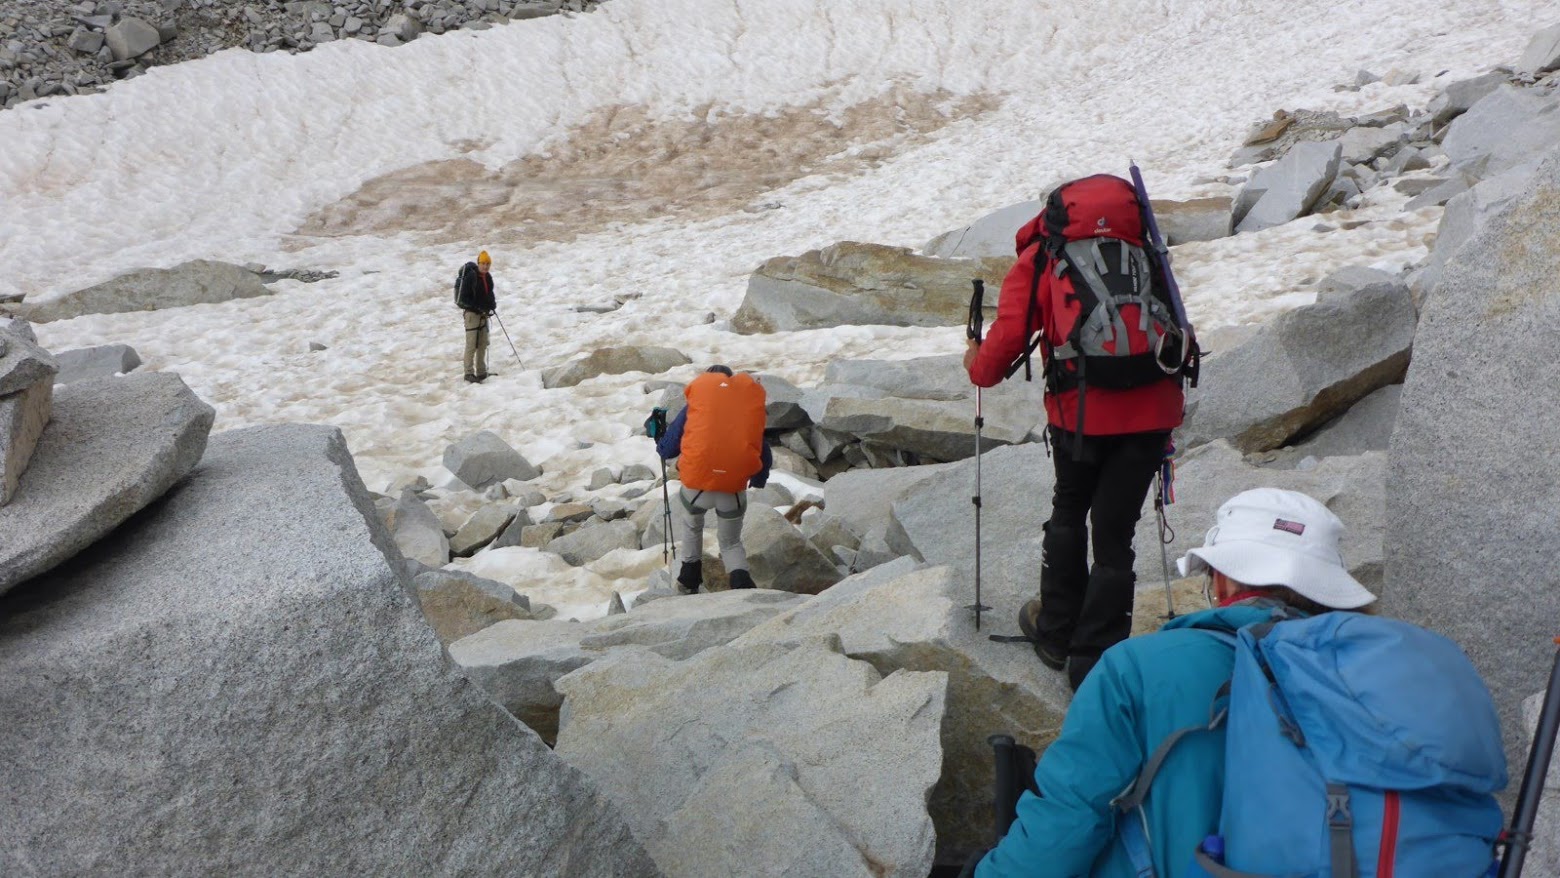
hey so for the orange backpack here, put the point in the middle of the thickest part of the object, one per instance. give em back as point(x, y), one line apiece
point(722, 443)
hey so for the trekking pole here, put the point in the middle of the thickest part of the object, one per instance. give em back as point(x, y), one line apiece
point(972, 330)
point(510, 340)
point(1521, 833)
point(666, 520)
point(1162, 498)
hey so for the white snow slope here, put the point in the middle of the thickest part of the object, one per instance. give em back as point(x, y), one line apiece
point(615, 153)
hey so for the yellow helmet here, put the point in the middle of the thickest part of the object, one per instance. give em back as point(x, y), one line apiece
point(484, 259)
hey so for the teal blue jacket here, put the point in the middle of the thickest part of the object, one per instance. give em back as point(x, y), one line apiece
point(1142, 690)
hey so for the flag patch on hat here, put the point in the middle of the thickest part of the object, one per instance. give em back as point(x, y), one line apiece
point(1294, 527)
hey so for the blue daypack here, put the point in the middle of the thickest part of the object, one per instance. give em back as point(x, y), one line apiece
point(1356, 747)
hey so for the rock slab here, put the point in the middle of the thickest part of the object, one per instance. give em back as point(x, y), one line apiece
point(114, 445)
point(201, 282)
point(1471, 495)
point(238, 682)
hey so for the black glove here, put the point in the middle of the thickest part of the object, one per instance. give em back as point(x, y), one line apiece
point(655, 425)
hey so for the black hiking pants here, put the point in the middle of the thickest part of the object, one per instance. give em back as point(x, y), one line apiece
point(1098, 494)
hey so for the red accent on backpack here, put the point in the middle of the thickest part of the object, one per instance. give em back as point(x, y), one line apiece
point(1099, 206)
point(722, 444)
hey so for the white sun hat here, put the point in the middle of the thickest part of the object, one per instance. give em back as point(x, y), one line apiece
point(1268, 536)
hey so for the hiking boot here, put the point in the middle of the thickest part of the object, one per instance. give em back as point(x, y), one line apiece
point(1051, 656)
point(472, 378)
point(741, 579)
point(690, 577)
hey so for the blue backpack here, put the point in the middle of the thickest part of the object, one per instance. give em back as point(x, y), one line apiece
point(1356, 747)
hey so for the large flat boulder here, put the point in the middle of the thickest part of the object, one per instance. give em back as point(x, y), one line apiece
point(483, 459)
point(1542, 53)
point(238, 682)
point(935, 522)
point(779, 555)
point(991, 236)
point(1289, 188)
point(901, 618)
point(517, 662)
point(96, 362)
point(1460, 96)
point(23, 363)
point(1366, 426)
point(864, 498)
point(924, 406)
point(849, 284)
point(23, 417)
point(114, 445)
point(1352, 487)
point(1471, 496)
point(594, 541)
point(614, 361)
point(417, 531)
point(776, 759)
point(1302, 369)
point(458, 604)
point(1502, 130)
point(1198, 219)
point(201, 282)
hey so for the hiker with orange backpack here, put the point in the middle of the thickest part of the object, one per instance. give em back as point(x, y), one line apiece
point(1094, 285)
point(719, 437)
point(1275, 734)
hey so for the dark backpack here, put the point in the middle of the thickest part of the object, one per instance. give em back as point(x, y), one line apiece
point(1114, 323)
point(462, 300)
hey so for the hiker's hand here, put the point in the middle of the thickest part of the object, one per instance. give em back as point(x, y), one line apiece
point(971, 348)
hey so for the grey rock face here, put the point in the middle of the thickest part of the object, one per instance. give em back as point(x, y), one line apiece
point(1475, 432)
point(1460, 96)
point(255, 658)
point(23, 363)
point(1200, 219)
point(1303, 369)
point(614, 361)
point(766, 775)
point(96, 362)
point(153, 289)
point(1543, 52)
point(131, 38)
point(1291, 187)
point(900, 618)
point(481, 528)
point(459, 604)
point(591, 542)
point(23, 416)
point(1504, 129)
point(417, 532)
point(780, 557)
point(990, 236)
point(518, 662)
point(113, 447)
point(483, 459)
point(852, 284)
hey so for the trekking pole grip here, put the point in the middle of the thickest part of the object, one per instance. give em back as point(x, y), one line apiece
point(977, 311)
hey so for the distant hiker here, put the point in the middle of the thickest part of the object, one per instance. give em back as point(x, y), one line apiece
point(719, 437)
point(1113, 354)
point(1346, 735)
point(474, 296)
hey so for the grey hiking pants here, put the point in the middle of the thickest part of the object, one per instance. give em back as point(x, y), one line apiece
point(729, 509)
point(476, 343)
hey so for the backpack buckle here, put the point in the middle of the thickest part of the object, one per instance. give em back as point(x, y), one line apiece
point(1338, 807)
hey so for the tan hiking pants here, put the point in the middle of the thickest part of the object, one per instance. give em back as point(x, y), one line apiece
point(476, 343)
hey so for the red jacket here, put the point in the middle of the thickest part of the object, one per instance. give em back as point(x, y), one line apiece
point(1150, 408)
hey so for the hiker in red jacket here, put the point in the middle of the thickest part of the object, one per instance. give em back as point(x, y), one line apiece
point(1109, 428)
